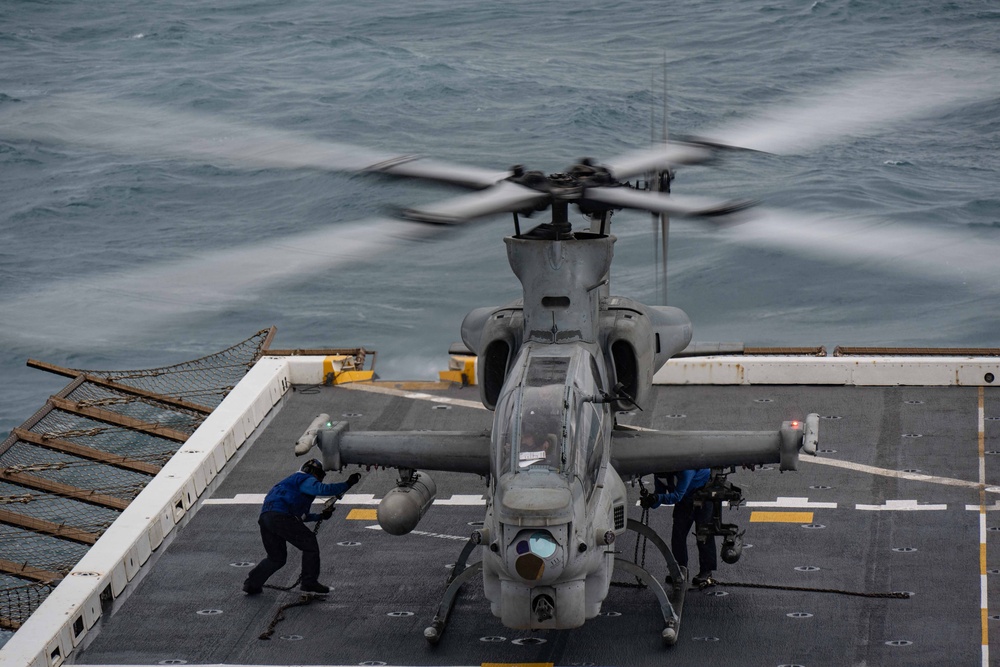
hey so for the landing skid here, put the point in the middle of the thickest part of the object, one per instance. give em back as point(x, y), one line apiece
point(672, 602)
point(460, 575)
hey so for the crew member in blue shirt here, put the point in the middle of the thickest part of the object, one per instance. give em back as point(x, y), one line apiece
point(282, 517)
point(677, 489)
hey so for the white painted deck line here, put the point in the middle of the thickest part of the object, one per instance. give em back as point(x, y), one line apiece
point(790, 503)
point(901, 506)
point(348, 499)
point(899, 474)
point(424, 533)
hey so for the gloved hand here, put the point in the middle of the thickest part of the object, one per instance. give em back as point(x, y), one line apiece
point(327, 513)
point(651, 501)
point(354, 479)
point(659, 487)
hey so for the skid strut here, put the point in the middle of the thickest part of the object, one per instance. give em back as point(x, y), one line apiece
point(672, 603)
point(460, 575)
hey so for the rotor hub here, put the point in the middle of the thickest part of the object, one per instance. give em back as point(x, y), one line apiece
point(566, 186)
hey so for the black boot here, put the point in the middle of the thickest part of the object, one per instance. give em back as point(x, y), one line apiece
point(703, 579)
point(314, 587)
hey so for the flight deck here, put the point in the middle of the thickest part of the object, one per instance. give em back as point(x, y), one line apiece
point(898, 501)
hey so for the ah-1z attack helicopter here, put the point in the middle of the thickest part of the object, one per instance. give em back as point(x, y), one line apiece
point(559, 364)
point(555, 367)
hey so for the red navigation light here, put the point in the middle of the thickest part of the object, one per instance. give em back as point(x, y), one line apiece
point(795, 424)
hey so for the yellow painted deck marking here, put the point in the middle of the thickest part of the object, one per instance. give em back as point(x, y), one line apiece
point(781, 517)
point(357, 514)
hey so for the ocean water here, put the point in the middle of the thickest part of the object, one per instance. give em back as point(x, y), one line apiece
point(130, 238)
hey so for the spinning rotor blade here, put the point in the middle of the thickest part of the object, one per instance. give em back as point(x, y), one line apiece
point(504, 197)
point(863, 104)
point(658, 158)
point(656, 202)
point(851, 107)
point(951, 254)
point(147, 299)
point(125, 127)
point(427, 169)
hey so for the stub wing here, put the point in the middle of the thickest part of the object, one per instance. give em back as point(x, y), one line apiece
point(642, 452)
point(450, 451)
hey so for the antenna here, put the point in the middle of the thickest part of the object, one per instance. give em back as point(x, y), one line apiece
point(666, 137)
point(652, 109)
point(663, 185)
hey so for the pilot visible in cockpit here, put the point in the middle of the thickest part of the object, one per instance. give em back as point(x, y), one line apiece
point(536, 449)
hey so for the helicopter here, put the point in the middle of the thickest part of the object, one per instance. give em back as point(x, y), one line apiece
point(556, 367)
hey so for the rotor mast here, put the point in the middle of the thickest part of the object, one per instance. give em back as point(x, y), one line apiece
point(563, 280)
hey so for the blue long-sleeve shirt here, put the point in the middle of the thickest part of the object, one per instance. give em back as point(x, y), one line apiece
point(679, 485)
point(296, 493)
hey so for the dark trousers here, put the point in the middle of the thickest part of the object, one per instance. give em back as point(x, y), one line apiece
point(277, 530)
point(685, 516)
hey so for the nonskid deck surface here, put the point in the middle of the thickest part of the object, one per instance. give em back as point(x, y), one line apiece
point(844, 524)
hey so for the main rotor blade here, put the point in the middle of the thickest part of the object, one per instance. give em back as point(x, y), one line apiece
point(130, 128)
point(105, 309)
point(952, 254)
point(861, 104)
point(504, 197)
point(658, 158)
point(657, 202)
point(427, 169)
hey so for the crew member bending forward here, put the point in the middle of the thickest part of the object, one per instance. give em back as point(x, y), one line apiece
point(281, 521)
point(677, 489)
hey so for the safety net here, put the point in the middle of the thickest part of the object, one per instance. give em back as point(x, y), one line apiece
point(69, 471)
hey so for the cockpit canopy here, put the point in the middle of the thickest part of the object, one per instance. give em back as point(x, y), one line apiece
point(548, 419)
point(543, 418)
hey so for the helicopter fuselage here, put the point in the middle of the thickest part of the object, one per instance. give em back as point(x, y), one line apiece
point(569, 356)
point(556, 504)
